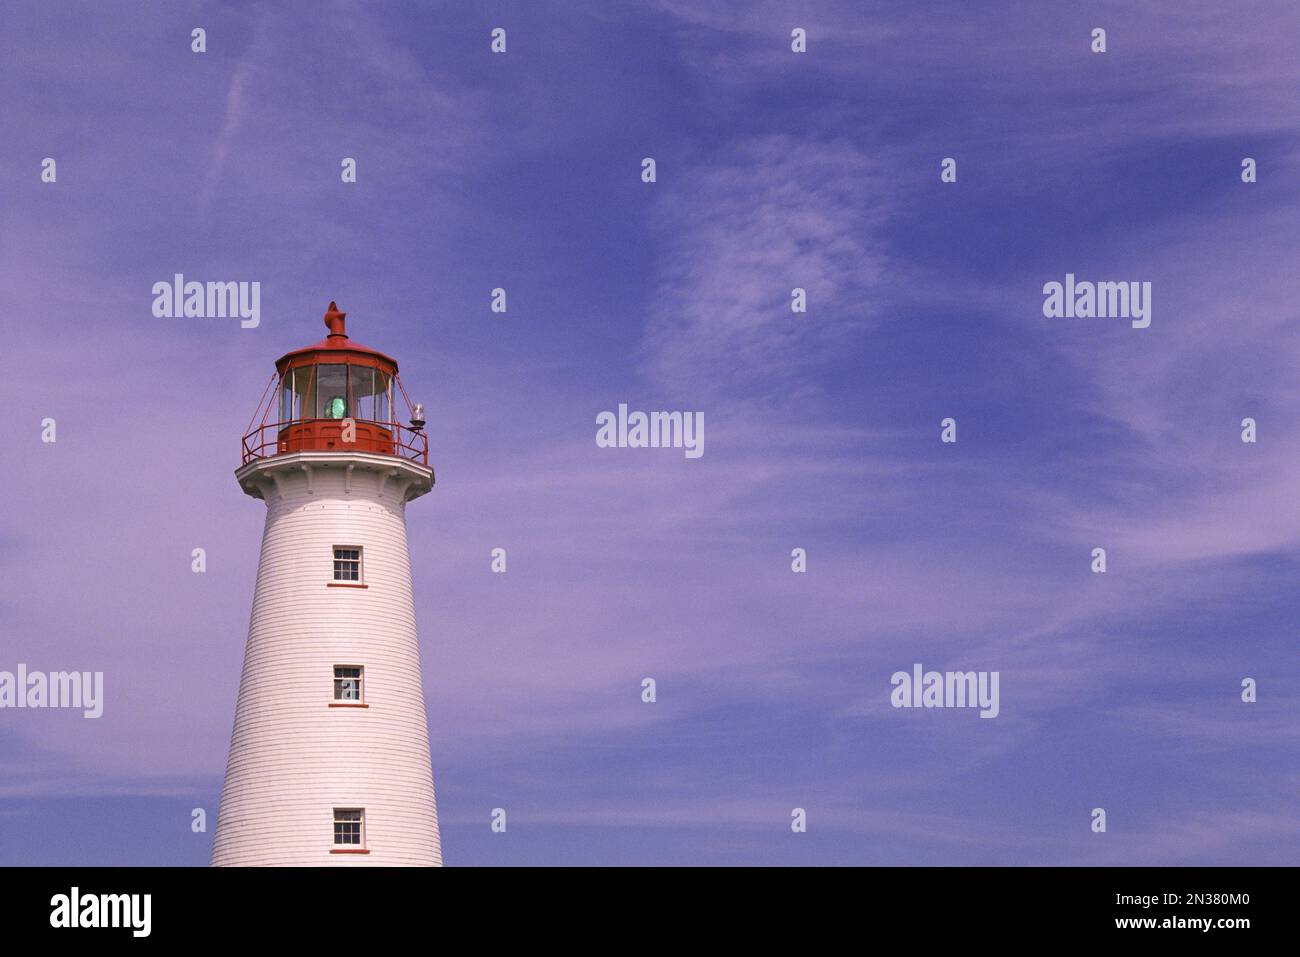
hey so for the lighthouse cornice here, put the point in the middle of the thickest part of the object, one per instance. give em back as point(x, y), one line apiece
point(361, 473)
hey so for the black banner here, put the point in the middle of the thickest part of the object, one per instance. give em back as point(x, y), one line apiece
point(1159, 906)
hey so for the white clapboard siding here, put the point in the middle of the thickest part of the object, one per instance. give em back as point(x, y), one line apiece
point(293, 758)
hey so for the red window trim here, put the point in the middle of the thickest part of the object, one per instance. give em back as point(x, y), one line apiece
point(349, 850)
point(345, 585)
point(349, 704)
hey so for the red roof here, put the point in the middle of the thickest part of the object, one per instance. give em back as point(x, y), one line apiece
point(336, 346)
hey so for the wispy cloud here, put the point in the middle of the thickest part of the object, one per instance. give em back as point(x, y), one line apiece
point(230, 123)
point(739, 230)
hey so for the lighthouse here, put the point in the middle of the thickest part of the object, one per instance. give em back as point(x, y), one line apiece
point(329, 758)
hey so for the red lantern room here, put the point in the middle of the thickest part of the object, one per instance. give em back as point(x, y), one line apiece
point(336, 396)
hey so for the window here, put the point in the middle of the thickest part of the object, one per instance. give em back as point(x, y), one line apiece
point(298, 395)
point(361, 383)
point(286, 396)
point(332, 391)
point(383, 386)
point(347, 682)
point(349, 823)
point(369, 389)
point(347, 563)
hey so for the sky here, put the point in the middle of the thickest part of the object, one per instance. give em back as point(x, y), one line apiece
point(774, 170)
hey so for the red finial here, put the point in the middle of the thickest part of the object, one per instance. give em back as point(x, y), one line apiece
point(334, 320)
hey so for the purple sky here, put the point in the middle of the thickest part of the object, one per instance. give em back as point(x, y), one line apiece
point(822, 430)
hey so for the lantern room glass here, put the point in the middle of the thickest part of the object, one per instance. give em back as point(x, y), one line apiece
point(297, 394)
point(287, 397)
point(369, 391)
point(332, 391)
point(335, 391)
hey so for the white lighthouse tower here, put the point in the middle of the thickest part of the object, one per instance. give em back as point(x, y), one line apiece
point(329, 759)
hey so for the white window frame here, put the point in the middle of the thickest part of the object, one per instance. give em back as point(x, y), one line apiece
point(360, 680)
point(361, 828)
point(360, 561)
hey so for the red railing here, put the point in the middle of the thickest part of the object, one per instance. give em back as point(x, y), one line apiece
point(326, 435)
